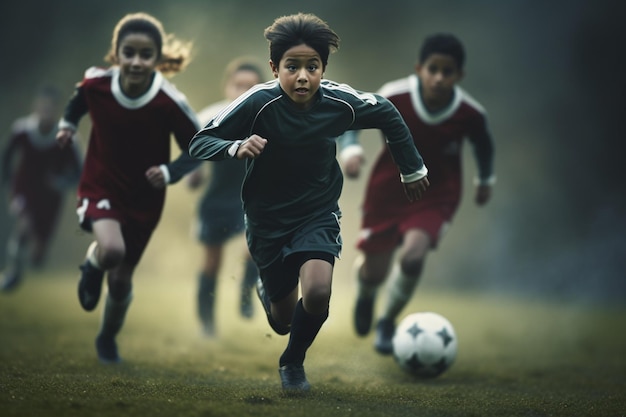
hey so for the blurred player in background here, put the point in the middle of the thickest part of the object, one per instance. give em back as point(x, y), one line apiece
point(220, 212)
point(440, 115)
point(121, 193)
point(286, 131)
point(39, 174)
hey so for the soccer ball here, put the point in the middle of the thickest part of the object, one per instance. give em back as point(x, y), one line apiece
point(424, 344)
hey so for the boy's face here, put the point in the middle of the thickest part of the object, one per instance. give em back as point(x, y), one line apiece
point(299, 73)
point(438, 75)
point(240, 82)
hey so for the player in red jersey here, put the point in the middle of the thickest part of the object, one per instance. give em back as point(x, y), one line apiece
point(133, 110)
point(38, 173)
point(440, 115)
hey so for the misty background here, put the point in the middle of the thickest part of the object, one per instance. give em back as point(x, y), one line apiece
point(549, 73)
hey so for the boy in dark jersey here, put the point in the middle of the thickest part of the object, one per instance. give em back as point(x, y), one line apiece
point(286, 130)
point(440, 116)
point(133, 109)
point(220, 215)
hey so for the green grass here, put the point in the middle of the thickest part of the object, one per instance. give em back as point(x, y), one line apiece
point(516, 358)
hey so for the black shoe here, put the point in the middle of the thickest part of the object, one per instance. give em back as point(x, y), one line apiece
point(385, 329)
point(265, 301)
point(11, 281)
point(245, 306)
point(89, 286)
point(363, 314)
point(107, 350)
point(293, 378)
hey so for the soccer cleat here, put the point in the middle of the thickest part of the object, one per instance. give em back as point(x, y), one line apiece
point(385, 330)
point(107, 350)
point(89, 286)
point(11, 281)
point(293, 378)
point(265, 301)
point(363, 314)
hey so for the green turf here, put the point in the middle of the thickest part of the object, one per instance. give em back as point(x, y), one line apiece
point(516, 358)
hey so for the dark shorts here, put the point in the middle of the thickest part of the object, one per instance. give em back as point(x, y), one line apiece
point(280, 259)
point(215, 227)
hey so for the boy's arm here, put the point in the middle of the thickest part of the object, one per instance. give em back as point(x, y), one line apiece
point(385, 116)
point(350, 153)
point(76, 108)
point(221, 138)
point(186, 127)
point(483, 147)
point(484, 153)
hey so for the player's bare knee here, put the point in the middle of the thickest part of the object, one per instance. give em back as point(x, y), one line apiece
point(110, 255)
point(316, 299)
point(411, 266)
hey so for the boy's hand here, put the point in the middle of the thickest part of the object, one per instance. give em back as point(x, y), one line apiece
point(414, 190)
point(64, 137)
point(483, 194)
point(251, 147)
point(352, 166)
point(155, 177)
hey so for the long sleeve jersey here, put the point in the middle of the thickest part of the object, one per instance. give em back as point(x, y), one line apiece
point(297, 175)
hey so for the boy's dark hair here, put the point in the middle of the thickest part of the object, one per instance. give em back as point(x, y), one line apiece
point(443, 43)
point(297, 29)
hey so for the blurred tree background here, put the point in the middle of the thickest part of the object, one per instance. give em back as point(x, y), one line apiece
point(548, 73)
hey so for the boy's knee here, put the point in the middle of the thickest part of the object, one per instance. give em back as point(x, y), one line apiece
point(110, 255)
point(316, 299)
point(411, 266)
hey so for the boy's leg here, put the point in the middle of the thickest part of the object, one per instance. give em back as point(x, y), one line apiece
point(304, 329)
point(371, 270)
point(105, 253)
point(16, 253)
point(402, 283)
point(116, 306)
point(250, 276)
point(206, 302)
point(310, 314)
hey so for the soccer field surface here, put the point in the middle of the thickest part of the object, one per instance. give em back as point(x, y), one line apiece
point(516, 358)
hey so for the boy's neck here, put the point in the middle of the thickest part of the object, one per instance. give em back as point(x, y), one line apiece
point(436, 105)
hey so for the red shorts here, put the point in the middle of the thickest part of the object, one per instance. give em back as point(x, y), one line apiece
point(384, 233)
point(137, 226)
point(43, 214)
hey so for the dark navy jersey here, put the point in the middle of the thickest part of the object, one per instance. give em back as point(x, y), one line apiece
point(297, 176)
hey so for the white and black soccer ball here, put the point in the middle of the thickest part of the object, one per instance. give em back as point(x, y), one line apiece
point(425, 344)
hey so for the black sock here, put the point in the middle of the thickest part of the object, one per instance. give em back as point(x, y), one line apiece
point(206, 297)
point(250, 275)
point(304, 329)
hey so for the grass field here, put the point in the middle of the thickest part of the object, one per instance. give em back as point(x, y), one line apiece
point(516, 358)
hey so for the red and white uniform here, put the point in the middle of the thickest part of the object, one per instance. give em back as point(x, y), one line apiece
point(387, 213)
point(127, 137)
point(39, 172)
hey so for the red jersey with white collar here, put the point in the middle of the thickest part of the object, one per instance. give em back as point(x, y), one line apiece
point(439, 138)
point(128, 136)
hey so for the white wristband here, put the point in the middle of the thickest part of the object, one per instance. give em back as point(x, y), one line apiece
point(166, 173)
point(232, 151)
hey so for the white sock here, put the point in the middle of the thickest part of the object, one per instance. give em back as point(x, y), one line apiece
point(91, 255)
point(400, 289)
